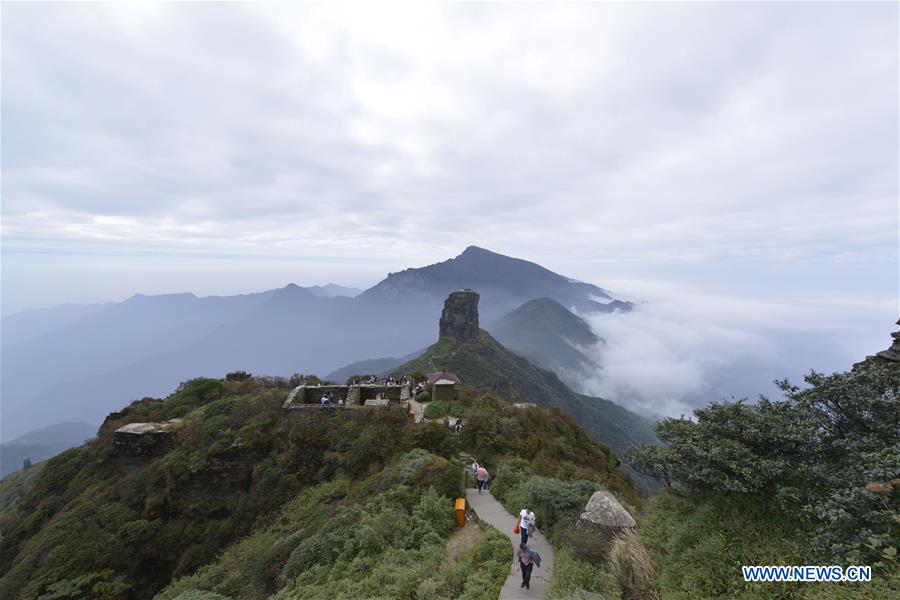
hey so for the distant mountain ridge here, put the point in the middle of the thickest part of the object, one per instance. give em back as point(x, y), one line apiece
point(487, 364)
point(551, 336)
point(43, 443)
point(503, 282)
point(146, 345)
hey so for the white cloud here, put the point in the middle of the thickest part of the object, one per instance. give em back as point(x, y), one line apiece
point(561, 133)
point(682, 349)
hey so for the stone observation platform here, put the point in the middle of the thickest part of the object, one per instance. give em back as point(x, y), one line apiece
point(144, 440)
point(345, 396)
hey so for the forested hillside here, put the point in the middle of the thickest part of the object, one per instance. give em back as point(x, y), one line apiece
point(301, 508)
point(813, 479)
point(485, 363)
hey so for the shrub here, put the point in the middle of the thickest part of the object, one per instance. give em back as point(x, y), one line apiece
point(436, 410)
point(510, 483)
point(573, 573)
point(424, 396)
point(812, 454)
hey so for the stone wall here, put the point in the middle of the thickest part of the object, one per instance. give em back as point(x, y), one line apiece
point(143, 441)
point(310, 397)
point(393, 393)
point(311, 394)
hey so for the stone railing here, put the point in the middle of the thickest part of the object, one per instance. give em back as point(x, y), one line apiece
point(310, 397)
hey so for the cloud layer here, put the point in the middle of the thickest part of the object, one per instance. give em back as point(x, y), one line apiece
point(683, 349)
point(652, 134)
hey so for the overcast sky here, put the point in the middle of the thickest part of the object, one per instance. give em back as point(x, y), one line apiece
point(747, 149)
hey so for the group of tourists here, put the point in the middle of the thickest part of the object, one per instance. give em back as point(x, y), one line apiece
point(526, 557)
point(328, 398)
point(372, 380)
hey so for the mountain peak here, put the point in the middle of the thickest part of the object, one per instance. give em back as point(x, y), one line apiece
point(459, 319)
point(477, 251)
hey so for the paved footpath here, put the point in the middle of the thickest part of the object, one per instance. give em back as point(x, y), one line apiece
point(492, 512)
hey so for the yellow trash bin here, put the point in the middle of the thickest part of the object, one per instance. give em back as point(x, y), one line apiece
point(460, 512)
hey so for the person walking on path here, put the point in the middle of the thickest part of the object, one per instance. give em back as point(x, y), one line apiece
point(524, 565)
point(492, 512)
point(526, 523)
point(481, 476)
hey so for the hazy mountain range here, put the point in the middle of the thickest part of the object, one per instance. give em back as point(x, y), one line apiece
point(78, 363)
point(42, 443)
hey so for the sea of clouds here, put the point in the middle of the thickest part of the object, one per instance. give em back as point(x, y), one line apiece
point(679, 350)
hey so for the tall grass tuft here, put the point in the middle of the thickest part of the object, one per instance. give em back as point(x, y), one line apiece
point(632, 567)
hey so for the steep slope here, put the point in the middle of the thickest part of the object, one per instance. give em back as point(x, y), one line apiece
point(487, 364)
point(302, 505)
point(546, 333)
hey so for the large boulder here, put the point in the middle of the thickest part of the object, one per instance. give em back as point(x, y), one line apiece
point(604, 511)
point(459, 320)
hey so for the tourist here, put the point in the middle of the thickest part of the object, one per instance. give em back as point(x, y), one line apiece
point(524, 565)
point(458, 425)
point(526, 523)
point(481, 476)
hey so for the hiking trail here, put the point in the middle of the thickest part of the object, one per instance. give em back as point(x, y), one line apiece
point(492, 512)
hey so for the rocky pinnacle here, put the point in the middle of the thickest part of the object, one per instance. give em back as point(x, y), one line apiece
point(892, 354)
point(460, 317)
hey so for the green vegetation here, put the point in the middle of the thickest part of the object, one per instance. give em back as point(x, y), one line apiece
point(573, 573)
point(807, 480)
point(439, 409)
point(487, 365)
point(346, 503)
point(381, 538)
point(699, 548)
point(436, 409)
point(582, 556)
point(15, 485)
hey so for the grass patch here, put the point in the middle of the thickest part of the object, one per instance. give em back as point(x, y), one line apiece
point(699, 548)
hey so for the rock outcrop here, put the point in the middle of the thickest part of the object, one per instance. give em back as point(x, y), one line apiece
point(459, 320)
point(604, 511)
point(889, 356)
point(892, 354)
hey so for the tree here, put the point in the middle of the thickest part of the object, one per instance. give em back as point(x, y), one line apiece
point(816, 454)
point(26, 464)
